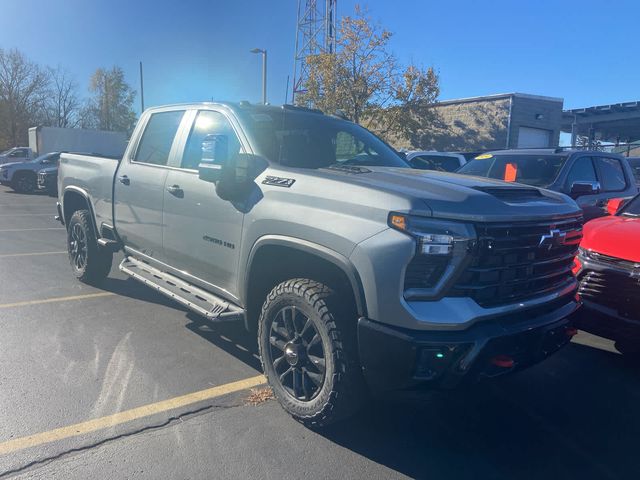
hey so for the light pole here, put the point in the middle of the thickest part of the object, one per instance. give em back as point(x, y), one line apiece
point(264, 72)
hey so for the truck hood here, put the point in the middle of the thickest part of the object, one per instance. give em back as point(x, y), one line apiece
point(613, 236)
point(449, 195)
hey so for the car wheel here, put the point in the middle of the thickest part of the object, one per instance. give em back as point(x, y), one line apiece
point(23, 183)
point(89, 262)
point(306, 335)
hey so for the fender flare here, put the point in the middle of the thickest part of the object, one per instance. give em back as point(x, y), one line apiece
point(83, 193)
point(320, 251)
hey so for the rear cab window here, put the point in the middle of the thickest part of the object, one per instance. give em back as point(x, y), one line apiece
point(158, 136)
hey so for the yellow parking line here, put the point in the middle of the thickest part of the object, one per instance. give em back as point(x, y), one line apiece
point(5, 255)
point(30, 229)
point(56, 299)
point(127, 416)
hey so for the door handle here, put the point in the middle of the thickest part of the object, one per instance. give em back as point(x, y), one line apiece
point(175, 190)
point(124, 180)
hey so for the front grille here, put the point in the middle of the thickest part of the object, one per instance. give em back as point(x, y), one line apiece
point(616, 290)
point(518, 261)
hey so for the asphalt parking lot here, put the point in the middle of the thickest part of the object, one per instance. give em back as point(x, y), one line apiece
point(118, 382)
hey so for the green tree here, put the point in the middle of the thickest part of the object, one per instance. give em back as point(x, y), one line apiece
point(364, 81)
point(111, 104)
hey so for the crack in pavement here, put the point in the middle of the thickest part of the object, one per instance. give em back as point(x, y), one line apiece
point(168, 422)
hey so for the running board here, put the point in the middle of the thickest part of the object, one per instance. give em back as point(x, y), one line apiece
point(204, 303)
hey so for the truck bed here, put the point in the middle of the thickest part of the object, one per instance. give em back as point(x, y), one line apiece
point(93, 176)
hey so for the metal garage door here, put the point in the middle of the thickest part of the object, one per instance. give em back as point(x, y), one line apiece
point(533, 138)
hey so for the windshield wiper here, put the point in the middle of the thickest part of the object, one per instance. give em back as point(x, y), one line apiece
point(629, 214)
point(348, 168)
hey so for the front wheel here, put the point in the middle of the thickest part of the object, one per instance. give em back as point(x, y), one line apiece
point(89, 262)
point(24, 183)
point(306, 335)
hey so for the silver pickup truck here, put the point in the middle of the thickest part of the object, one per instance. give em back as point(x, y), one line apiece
point(357, 273)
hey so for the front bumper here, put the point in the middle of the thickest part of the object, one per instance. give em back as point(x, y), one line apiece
point(47, 183)
point(393, 358)
point(607, 323)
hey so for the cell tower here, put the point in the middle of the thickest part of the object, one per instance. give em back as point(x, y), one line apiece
point(315, 34)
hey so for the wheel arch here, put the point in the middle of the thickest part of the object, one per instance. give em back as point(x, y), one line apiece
point(75, 199)
point(265, 269)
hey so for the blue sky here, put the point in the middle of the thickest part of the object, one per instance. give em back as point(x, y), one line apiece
point(193, 50)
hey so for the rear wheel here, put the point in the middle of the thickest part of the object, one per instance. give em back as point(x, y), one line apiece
point(308, 349)
point(89, 262)
point(24, 182)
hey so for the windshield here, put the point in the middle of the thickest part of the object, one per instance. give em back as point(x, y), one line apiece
point(536, 170)
point(310, 140)
point(632, 209)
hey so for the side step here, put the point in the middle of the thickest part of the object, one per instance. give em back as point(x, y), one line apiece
point(204, 303)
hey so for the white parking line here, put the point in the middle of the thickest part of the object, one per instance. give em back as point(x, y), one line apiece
point(52, 214)
point(30, 229)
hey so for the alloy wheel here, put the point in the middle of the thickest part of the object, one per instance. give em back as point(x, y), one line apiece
point(297, 353)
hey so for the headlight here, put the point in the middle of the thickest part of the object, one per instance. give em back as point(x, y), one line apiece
point(434, 237)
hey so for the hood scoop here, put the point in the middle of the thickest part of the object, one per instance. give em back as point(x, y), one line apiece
point(512, 194)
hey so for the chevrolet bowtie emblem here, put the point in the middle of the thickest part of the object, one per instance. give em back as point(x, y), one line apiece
point(554, 238)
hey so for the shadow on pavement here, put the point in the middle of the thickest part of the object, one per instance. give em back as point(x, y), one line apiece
point(573, 416)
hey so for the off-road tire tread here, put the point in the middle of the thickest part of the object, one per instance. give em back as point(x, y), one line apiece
point(348, 384)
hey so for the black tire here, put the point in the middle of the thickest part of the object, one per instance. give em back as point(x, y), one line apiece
point(321, 330)
point(24, 182)
point(90, 263)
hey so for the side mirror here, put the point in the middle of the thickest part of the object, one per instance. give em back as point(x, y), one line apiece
point(584, 188)
point(215, 158)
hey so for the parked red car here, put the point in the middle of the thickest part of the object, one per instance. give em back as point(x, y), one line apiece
point(608, 271)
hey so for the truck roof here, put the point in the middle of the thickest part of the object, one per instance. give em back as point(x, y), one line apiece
point(242, 106)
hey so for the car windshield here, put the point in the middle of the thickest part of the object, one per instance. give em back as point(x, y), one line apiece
point(6, 152)
point(536, 170)
point(312, 140)
point(632, 209)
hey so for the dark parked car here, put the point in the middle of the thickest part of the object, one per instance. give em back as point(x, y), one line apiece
point(590, 178)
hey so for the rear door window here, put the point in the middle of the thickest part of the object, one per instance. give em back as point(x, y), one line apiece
point(582, 170)
point(158, 136)
point(612, 176)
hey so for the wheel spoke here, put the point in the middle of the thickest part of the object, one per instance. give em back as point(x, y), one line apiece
point(279, 344)
point(307, 324)
point(315, 340)
point(316, 378)
point(278, 361)
point(318, 363)
point(284, 374)
point(289, 324)
point(280, 331)
point(303, 375)
point(297, 383)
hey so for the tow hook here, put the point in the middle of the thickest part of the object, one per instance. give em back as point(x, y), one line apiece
point(503, 361)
